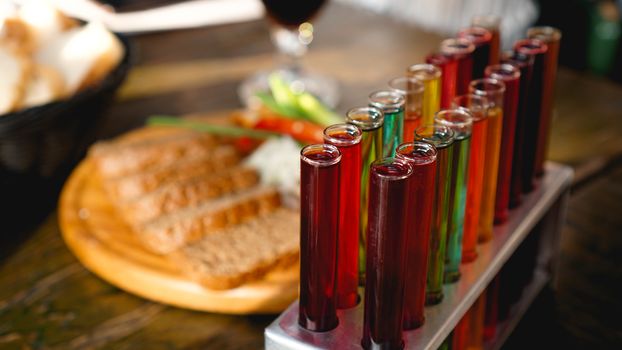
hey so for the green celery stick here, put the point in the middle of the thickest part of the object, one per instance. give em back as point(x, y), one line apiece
point(225, 130)
point(316, 111)
point(283, 95)
point(271, 103)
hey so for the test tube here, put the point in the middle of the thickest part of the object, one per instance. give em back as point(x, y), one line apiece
point(491, 313)
point(412, 90)
point(475, 331)
point(369, 120)
point(510, 76)
point(319, 220)
point(492, 23)
point(551, 36)
point(493, 90)
point(387, 241)
point(460, 333)
point(347, 138)
point(422, 158)
point(460, 122)
point(525, 64)
point(462, 51)
point(391, 103)
point(537, 49)
point(442, 138)
point(481, 38)
point(449, 75)
point(478, 107)
point(430, 75)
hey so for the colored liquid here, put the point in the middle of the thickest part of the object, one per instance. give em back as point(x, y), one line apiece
point(290, 13)
point(474, 193)
point(495, 46)
point(420, 220)
point(446, 343)
point(348, 237)
point(549, 76)
point(491, 167)
point(387, 241)
point(438, 232)
point(431, 100)
point(476, 315)
point(465, 74)
point(319, 220)
point(459, 339)
point(392, 131)
point(371, 149)
point(504, 178)
point(457, 204)
point(532, 124)
point(481, 57)
point(517, 160)
point(411, 122)
point(449, 68)
point(491, 310)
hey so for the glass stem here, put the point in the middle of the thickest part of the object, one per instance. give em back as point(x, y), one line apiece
point(291, 44)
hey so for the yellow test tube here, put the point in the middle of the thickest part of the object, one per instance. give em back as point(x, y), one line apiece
point(430, 76)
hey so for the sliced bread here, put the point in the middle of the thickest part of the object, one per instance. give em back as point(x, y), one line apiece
point(176, 195)
point(16, 34)
point(15, 70)
point(44, 20)
point(45, 85)
point(114, 159)
point(244, 253)
point(83, 55)
point(170, 232)
point(202, 162)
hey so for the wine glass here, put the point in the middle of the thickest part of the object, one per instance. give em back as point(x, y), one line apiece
point(292, 32)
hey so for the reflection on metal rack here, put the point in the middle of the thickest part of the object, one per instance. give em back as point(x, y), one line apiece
point(546, 204)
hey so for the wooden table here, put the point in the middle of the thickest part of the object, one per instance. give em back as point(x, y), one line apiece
point(48, 300)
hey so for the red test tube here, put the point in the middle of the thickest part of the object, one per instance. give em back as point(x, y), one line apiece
point(319, 220)
point(551, 36)
point(478, 107)
point(492, 23)
point(449, 68)
point(347, 138)
point(422, 158)
point(510, 76)
point(491, 313)
point(387, 241)
point(460, 50)
point(537, 49)
point(525, 64)
point(481, 38)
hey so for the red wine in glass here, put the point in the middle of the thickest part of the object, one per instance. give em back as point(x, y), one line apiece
point(292, 13)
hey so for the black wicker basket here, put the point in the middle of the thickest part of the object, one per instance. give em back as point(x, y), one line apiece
point(39, 147)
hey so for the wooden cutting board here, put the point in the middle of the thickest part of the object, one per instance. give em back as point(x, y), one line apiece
point(106, 245)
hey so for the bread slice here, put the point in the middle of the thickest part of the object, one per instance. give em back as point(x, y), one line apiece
point(16, 35)
point(45, 85)
point(202, 163)
point(176, 195)
point(240, 254)
point(83, 55)
point(170, 232)
point(44, 20)
point(115, 159)
point(15, 70)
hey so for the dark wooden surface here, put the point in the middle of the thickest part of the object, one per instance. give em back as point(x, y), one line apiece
point(48, 300)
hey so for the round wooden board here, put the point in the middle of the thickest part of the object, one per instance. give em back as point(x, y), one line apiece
point(106, 246)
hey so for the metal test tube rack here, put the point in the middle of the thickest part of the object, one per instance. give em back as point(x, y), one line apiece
point(546, 204)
